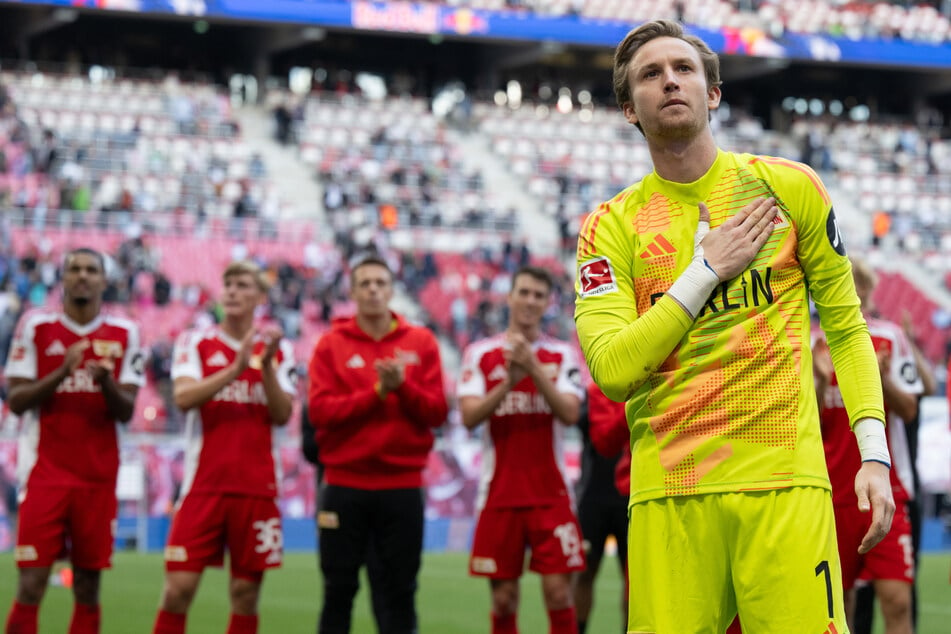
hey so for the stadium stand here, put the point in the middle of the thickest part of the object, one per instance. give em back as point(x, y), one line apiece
point(158, 173)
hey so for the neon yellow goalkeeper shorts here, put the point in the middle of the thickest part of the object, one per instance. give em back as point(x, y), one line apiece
point(695, 561)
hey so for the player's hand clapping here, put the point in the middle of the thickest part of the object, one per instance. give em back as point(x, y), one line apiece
point(74, 356)
point(272, 336)
point(519, 357)
point(390, 373)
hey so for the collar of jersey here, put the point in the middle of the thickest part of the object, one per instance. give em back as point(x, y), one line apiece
point(690, 193)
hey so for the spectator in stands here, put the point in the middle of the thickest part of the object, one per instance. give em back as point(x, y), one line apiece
point(665, 312)
point(527, 387)
point(71, 375)
point(46, 153)
point(235, 382)
point(375, 395)
point(889, 565)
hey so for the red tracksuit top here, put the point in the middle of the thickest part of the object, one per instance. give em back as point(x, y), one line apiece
point(365, 442)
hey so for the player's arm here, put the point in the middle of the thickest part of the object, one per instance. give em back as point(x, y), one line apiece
point(609, 329)
point(608, 424)
point(25, 394)
point(828, 271)
point(190, 392)
point(476, 409)
point(902, 403)
point(279, 400)
point(330, 402)
point(821, 370)
point(120, 399)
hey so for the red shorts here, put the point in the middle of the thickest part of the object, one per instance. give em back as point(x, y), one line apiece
point(250, 528)
point(502, 535)
point(59, 521)
point(891, 558)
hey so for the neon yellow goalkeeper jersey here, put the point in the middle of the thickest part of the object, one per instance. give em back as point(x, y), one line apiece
point(725, 402)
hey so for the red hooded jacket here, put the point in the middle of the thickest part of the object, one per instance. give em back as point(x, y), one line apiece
point(366, 442)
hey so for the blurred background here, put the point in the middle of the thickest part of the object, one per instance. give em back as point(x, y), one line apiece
point(457, 138)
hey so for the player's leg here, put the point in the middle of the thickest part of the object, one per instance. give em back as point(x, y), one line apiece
point(498, 552)
point(255, 541)
point(679, 567)
point(618, 525)
point(594, 527)
point(786, 572)
point(86, 616)
point(195, 541)
point(375, 574)
point(895, 598)
point(244, 590)
point(556, 593)
point(92, 511)
point(850, 527)
point(41, 538)
point(505, 598)
point(555, 539)
point(344, 535)
point(24, 613)
point(891, 568)
point(397, 541)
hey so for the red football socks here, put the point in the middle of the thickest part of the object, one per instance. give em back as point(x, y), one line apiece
point(169, 623)
point(22, 619)
point(504, 624)
point(562, 621)
point(85, 619)
point(243, 624)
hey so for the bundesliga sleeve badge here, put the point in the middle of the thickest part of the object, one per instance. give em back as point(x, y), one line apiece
point(596, 277)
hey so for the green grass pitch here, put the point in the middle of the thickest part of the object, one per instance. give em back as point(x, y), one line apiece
point(449, 601)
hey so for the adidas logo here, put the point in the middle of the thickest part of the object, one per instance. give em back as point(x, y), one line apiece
point(55, 349)
point(355, 362)
point(218, 360)
point(660, 246)
point(498, 374)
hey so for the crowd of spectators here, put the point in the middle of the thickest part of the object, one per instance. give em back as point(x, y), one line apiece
point(110, 148)
point(918, 20)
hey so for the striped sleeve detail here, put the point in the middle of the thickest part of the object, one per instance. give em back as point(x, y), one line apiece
point(805, 169)
point(586, 246)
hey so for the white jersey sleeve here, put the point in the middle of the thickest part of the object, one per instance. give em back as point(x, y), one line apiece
point(471, 378)
point(185, 360)
point(287, 370)
point(22, 362)
point(569, 374)
point(132, 371)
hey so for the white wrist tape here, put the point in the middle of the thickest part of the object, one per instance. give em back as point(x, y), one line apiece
point(870, 434)
point(692, 289)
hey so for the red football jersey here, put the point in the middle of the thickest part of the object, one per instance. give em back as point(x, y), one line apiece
point(229, 444)
point(523, 444)
point(71, 439)
point(842, 452)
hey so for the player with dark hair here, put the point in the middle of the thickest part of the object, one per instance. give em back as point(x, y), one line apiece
point(693, 307)
point(71, 375)
point(236, 382)
point(376, 394)
point(527, 387)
